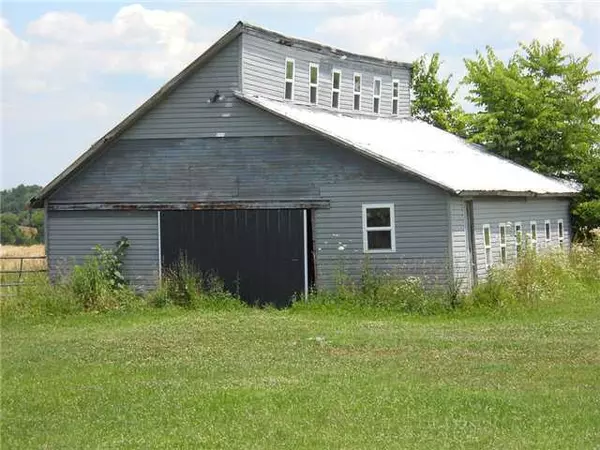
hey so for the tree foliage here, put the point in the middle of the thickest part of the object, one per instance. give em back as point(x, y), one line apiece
point(539, 109)
point(433, 101)
point(18, 224)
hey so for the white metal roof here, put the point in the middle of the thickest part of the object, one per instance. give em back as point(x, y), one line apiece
point(422, 149)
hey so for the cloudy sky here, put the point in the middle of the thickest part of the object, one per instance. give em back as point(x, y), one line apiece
point(70, 71)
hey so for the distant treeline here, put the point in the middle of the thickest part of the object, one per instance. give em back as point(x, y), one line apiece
point(19, 225)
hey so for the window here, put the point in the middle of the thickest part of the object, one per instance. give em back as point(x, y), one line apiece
point(376, 94)
point(336, 82)
point(533, 235)
point(357, 90)
point(547, 232)
point(313, 82)
point(487, 244)
point(503, 243)
point(395, 93)
point(378, 228)
point(561, 233)
point(289, 79)
point(518, 238)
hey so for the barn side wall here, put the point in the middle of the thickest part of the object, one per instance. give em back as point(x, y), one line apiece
point(187, 149)
point(263, 73)
point(280, 168)
point(74, 234)
point(493, 212)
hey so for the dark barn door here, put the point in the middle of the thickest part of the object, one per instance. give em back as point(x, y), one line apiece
point(256, 252)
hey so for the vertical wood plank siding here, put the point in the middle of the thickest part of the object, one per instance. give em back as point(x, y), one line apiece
point(188, 112)
point(460, 257)
point(510, 211)
point(264, 70)
point(73, 235)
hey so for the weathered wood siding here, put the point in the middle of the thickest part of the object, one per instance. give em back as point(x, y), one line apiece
point(74, 234)
point(494, 211)
point(264, 74)
point(292, 167)
point(188, 112)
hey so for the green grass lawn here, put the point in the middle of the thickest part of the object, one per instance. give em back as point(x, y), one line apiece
point(282, 379)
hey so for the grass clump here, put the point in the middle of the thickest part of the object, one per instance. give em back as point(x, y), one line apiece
point(182, 285)
point(540, 278)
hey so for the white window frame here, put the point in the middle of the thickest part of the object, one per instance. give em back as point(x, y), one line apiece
point(560, 231)
point(313, 85)
point(547, 232)
point(518, 238)
point(487, 248)
point(355, 92)
point(334, 90)
point(391, 228)
point(534, 240)
point(289, 80)
point(378, 97)
point(396, 97)
point(503, 255)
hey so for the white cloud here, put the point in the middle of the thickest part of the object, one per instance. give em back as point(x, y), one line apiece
point(373, 32)
point(60, 47)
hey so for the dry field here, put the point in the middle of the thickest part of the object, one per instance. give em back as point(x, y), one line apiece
point(13, 251)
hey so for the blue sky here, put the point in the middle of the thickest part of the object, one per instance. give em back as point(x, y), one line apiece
point(71, 71)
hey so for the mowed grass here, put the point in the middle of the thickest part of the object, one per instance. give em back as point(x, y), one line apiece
point(171, 378)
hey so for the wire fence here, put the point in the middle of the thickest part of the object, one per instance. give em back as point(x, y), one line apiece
point(15, 271)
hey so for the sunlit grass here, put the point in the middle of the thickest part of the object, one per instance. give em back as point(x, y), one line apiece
point(177, 378)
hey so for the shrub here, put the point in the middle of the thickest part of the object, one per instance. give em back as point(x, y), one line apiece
point(99, 283)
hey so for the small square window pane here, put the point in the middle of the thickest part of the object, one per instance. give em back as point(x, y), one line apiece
point(335, 100)
point(357, 84)
point(377, 87)
point(376, 105)
point(313, 94)
point(289, 70)
point(356, 102)
point(314, 74)
point(336, 80)
point(394, 106)
point(378, 217)
point(288, 90)
point(379, 240)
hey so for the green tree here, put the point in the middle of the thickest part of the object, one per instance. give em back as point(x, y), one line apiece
point(540, 110)
point(433, 102)
point(13, 206)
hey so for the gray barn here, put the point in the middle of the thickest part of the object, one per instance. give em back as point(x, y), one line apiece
point(278, 163)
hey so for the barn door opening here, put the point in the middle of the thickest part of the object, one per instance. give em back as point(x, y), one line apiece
point(261, 254)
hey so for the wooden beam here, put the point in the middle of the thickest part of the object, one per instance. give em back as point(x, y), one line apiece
point(195, 206)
